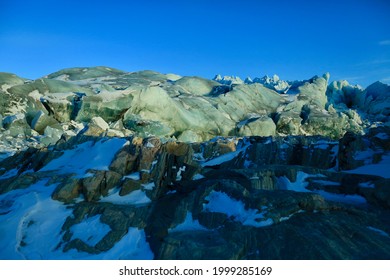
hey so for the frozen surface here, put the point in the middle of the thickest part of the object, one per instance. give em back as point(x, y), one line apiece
point(327, 183)
point(298, 186)
point(198, 177)
point(343, 198)
point(133, 176)
point(137, 197)
point(382, 136)
point(220, 202)
point(30, 223)
point(381, 232)
point(88, 155)
point(9, 174)
point(189, 224)
point(283, 219)
point(149, 186)
point(380, 169)
point(369, 185)
point(90, 230)
point(226, 157)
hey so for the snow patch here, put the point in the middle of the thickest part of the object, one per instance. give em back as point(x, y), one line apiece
point(369, 185)
point(226, 157)
point(149, 186)
point(31, 222)
point(88, 155)
point(189, 224)
point(133, 176)
point(380, 169)
point(353, 199)
point(198, 177)
point(136, 198)
point(299, 185)
point(90, 230)
point(221, 203)
point(381, 232)
point(178, 174)
point(9, 174)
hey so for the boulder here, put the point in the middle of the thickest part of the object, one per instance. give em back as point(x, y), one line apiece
point(99, 183)
point(96, 127)
point(288, 123)
point(51, 135)
point(259, 126)
point(41, 121)
point(68, 190)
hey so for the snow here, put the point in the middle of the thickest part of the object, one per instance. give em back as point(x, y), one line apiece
point(326, 183)
point(221, 159)
point(323, 145)
point(382, 136)
point(178, 175)
point(149, 145)
point(31, 228)
point(30, 223)
point(298, 186)
point(133, 176)
point(380, 169)
point(353, 199)
point(283, 219)
point(198, 177)
point(5, 153)
point(369, 185)
point(189, 224)
point(226, 157)
point(90, 230)
point(220, 202)
point(9, 174)
point(381, 232)
point(132, 246)
point(149, 186)
point(88, 155)
point(137, 197)
point(364, 155)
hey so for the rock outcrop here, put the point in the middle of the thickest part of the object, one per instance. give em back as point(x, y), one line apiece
point(97, 163)
point(223, 199)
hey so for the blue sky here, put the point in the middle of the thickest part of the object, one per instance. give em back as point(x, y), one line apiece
point(294, 39)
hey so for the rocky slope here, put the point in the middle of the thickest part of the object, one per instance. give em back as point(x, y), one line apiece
point(114, 165)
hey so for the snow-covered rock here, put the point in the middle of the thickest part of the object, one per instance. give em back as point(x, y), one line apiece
point(228, 80)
